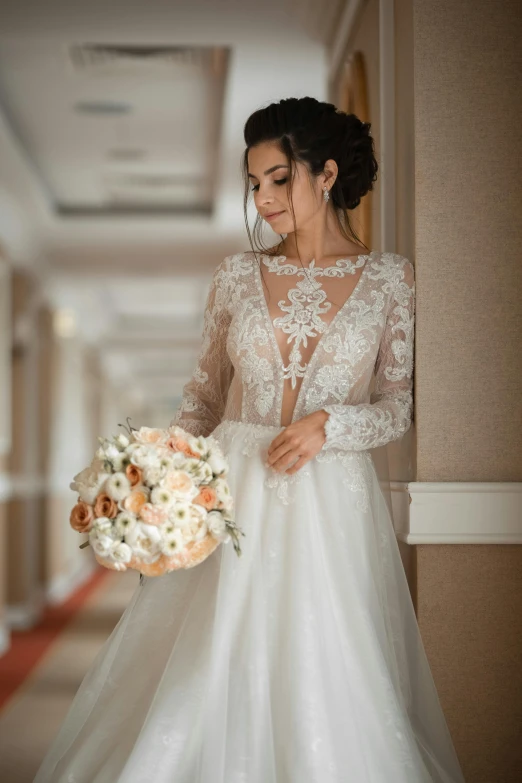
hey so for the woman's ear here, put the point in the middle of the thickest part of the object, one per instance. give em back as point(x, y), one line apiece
point(329, 174)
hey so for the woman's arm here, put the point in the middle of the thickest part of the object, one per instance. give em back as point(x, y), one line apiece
point(388, 414)
point(205, 394)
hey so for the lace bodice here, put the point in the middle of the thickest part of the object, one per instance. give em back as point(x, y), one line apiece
point(312, 342)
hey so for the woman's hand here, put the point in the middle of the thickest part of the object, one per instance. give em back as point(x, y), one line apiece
point(301, 440)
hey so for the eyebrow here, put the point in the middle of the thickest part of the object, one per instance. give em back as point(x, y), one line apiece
point(269, 171)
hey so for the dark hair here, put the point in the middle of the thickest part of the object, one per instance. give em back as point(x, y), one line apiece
point(311, 132)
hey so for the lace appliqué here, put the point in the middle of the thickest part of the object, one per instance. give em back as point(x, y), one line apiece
point(303, 314)
point(388, 415)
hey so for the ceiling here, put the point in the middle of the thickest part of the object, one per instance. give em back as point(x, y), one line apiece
point(120, 147)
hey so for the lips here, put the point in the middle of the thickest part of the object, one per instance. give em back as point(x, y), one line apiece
point(273, 215)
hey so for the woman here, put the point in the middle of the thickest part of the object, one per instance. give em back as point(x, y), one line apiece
point(300, 661)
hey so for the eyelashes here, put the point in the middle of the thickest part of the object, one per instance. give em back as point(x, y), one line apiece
point(276, 182)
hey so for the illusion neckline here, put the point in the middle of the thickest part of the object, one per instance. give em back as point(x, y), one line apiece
point(312, 261)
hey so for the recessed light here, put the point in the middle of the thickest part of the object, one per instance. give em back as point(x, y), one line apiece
point(102, 107)
point(126, 154)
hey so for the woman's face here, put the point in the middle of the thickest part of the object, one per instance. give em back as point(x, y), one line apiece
point(268, 175)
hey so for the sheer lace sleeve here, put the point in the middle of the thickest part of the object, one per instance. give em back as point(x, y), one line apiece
point(388, 414)
point(205, 394)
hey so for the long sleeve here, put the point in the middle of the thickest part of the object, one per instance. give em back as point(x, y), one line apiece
point(388, 414)
point(205, 394)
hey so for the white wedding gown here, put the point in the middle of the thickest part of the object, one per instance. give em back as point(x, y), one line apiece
point(300, 661)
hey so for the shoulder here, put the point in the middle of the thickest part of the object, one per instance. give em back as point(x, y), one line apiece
point(397, 261)
point(229, 265)
point(400, 269)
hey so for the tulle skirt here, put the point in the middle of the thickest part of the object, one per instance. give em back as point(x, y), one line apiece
point(300, 661)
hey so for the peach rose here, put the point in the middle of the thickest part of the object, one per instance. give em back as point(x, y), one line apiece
point(176, 443)
point(207, 498)
point(135, 501)
point(105, 506)
point(82, 517)
point(178, 480)
point(149, 435)
point(134, 474)
point(153, 515)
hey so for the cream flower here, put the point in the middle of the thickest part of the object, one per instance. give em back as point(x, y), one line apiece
point(117, 486)
point(161, 496)
point(88, 482)
point(125, 522)
point(179, 514)
point(217, 526)
point(145, 541)
point(121, 553)
point(173, 543)
point(150, 435)
point(217, 463)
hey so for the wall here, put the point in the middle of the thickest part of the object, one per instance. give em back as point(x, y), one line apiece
point(468, 245)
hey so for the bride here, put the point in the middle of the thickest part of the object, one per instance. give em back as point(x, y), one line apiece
point(300, 661)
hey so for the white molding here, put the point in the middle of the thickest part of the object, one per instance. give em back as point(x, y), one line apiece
point(387, 161)
point(458, 512)
point(64, 585)
point(17, 486)
point(22, 617)
point(344, 30)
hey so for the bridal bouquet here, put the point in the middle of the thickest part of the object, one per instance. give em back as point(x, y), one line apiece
point(155, 500)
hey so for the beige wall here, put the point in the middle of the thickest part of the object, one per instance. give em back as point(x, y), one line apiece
point(468, 245)
point(458, 198)
point(469, 239)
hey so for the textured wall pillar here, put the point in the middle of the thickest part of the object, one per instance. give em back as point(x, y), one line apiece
point(468, 245)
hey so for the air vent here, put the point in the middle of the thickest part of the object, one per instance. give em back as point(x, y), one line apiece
point(100, 59)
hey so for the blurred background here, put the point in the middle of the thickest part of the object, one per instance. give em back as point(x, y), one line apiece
point(120, 191)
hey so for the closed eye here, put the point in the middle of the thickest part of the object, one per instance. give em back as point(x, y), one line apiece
point(276, 182)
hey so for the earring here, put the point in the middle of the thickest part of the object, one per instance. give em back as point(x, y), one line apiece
point(326, 195)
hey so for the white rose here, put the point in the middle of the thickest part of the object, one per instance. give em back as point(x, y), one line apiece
point(89, 481)
point(111, 451)
point(222, 489)
point(122, 440)
point(197, 444)
point(150, 435)
point(145, 541)
point(217, 463)
point(143, 455)
point(153, 474)
point(103, 525)
point(122, 553)
point(101, 543)
point(119, 461)
point(217, 526)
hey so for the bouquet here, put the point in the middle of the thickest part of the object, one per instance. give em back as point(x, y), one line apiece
point(155, 500)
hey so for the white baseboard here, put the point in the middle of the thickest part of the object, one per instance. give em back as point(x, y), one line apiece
point(23, 616)
point(458, 512)
point(64, 585)
point(5, 638)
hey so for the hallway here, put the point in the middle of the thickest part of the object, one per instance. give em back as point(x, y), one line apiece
point(32, 715)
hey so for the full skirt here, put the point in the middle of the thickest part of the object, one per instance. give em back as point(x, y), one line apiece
point(300, 661)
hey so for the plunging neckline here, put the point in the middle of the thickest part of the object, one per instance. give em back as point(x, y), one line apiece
point(324, 334)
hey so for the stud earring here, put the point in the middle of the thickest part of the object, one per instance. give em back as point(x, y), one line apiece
point(326, 195)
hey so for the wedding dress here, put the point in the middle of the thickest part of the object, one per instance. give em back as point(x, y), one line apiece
point(301, 661)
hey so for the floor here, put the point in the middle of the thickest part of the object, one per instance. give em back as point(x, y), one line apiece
point(31, 715)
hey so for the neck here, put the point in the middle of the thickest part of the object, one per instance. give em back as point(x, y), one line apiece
point(319, 239)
